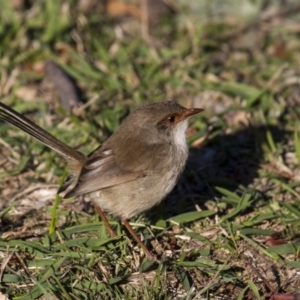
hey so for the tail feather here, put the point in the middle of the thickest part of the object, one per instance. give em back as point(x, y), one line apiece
point(75, 158)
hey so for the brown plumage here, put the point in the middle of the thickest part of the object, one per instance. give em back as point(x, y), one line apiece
point(134, 169)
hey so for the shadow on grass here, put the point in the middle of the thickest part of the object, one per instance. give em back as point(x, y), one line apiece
point(229, 161)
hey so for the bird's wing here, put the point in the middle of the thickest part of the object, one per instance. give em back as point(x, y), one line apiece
point(103, 169)
point(98, 173)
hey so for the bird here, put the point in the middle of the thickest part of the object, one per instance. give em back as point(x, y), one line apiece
point(133, 170)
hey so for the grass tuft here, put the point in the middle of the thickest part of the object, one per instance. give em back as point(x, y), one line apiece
point(230, 229)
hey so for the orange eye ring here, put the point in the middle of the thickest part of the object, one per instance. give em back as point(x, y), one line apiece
point(171, 119)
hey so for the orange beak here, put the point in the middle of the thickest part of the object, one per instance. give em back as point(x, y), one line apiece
point(192, 111)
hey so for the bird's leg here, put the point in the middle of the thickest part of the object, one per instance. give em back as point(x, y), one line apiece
point(138, 240)
point(104, 220)
point(127, 225)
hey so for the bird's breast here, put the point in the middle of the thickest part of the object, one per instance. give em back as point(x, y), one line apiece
point(135, 196)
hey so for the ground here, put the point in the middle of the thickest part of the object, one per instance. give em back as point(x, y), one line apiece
point(230, 228)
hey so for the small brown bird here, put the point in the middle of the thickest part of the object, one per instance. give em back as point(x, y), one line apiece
point(130, 172)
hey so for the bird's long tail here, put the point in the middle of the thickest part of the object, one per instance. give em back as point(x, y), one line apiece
point(74, 158)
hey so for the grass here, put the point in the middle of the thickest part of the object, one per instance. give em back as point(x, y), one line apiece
point(230, 228)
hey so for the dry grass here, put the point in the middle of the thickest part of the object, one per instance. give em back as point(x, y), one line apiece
point(230, 229)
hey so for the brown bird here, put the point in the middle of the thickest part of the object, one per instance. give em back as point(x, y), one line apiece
point(130, 172)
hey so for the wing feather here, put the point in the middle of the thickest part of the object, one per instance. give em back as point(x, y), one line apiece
point(101, 173)
point(115, 163)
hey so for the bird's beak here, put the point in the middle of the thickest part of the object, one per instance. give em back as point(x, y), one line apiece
point(192, 111)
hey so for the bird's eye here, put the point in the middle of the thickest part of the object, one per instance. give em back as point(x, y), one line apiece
point(171, 119)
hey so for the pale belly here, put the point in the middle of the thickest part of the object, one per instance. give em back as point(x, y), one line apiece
point(133, 197)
